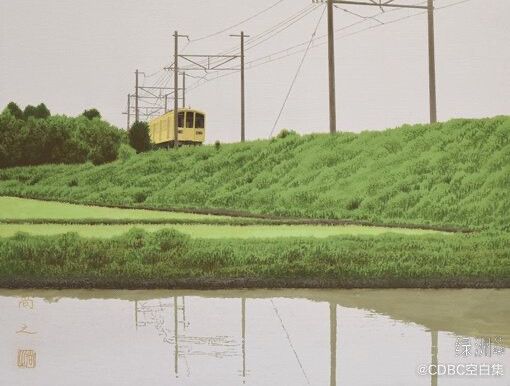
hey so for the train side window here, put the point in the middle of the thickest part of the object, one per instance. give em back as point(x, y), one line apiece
point(199, 121)
point(180, 120)
point(189, 120)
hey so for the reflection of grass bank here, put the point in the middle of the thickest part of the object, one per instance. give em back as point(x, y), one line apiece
point(170, 259)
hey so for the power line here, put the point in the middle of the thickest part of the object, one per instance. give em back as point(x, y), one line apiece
point(237, 24)
point(297, 72)
point(283, 28)
point(250, 65)
point(275, 29)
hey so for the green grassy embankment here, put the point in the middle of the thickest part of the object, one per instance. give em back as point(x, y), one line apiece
point(455, 174)
point(447, 174)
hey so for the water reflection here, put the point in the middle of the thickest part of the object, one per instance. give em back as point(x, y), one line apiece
point(255, 337)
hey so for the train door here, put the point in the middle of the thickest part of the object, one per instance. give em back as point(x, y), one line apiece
point(199, 127)
point(180, 125)
point(190, 129)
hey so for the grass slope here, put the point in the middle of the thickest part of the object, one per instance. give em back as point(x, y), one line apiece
point(455, 173)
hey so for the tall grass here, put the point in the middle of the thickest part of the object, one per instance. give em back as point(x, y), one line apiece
point(389, 260)
point(455, 173)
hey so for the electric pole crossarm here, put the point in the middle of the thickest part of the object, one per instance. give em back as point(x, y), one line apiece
point(193, 62)
point(206, 67)
point(210, 56)
point(374, 4)
point(222, 63)
point(156, 88)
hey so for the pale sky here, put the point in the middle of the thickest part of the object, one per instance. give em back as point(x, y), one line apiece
point(78, 54)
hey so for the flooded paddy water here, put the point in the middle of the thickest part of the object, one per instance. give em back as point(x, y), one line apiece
point(255, 337)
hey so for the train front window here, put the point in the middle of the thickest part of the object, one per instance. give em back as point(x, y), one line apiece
point(199, 121)
point(180, 120)
point(189, 120)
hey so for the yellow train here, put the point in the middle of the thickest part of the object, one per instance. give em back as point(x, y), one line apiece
point(191, 128)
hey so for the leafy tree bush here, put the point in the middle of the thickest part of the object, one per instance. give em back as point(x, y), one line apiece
point(42, 112)
point(39, 112)
point(15, 110)
point(92, 113)
point(43, 139)
point(139, 137)
point(29, 111)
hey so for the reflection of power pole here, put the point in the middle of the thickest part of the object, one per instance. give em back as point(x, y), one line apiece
point(332, 328)
point(243, 115)
point(136, 314)
point(433, 378)
point(183, 313)
point(176, 338)
point(243, 333)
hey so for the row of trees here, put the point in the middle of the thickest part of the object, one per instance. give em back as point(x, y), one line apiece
point(41, 112)
point(34, 137)
point(38, 112)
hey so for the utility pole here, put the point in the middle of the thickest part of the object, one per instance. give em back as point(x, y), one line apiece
point(332, 337)
point(331, 65)
point(129, 112)
point(166, 103)
point(243, 334)
point(432, 63)
point(176, 91)
point(136, 97)
point(243, 111)
point(184, 90)
point(382, 4)
point(176, 86)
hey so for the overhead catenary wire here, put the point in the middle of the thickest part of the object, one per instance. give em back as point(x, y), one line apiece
point(250, 65)
point(272, 31)
point(297, 72)
point(271, 57)
point(237, 24)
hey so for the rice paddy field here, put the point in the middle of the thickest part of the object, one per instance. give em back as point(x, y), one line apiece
point(27, 210)
point(46, 244)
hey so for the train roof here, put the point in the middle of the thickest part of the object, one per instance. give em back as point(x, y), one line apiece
point(184, 109)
